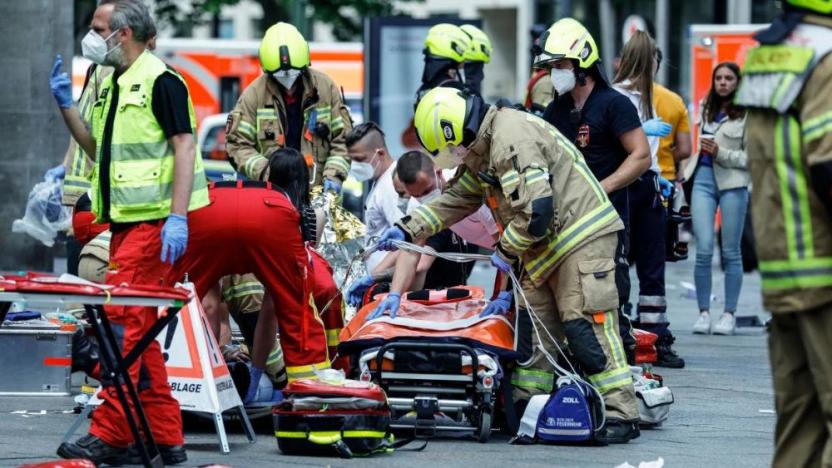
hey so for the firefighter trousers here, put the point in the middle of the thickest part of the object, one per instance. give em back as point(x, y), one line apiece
point(255, 229)
point(578, 306)
point(801, 363)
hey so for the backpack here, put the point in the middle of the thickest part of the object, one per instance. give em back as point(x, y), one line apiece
point(568, 416)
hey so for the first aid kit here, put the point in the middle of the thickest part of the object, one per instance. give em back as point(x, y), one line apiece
point(654, 399)
point(333, 416)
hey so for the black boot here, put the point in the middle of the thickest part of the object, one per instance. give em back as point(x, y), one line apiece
point(171, 454)
point(618, 431)
point(666, 356)
point(92, 448)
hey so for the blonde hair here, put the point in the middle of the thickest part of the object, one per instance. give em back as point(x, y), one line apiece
point(637, 66)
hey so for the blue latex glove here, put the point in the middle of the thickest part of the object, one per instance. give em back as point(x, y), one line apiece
point(665, 186)
point(500, 305)
point(56, 173)
point(499, 263)
point(174, 238)
point(331, 185)
point(355, 294)
point(390, 304)
point(61, 85)
point(656, 127)
point(261, 389)
point(391, 234)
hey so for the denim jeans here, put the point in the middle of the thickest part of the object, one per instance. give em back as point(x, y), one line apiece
point(733, 203)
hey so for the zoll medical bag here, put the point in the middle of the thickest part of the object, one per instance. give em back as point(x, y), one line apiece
point(335, 418)
point(568, 416)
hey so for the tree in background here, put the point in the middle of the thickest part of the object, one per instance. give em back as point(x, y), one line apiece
point(345, 16)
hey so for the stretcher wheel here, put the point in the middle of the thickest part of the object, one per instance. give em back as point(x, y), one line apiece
point(484, 430)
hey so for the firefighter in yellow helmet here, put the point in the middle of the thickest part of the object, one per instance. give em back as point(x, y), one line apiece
point(477, 55)
point(290, 105)
point(446, 48)
point(787, 89)
point(558, 233)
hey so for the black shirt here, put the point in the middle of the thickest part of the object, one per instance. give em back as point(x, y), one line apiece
point(170, 107)
point(294, 116)
point(606, 115)
point(443, 273)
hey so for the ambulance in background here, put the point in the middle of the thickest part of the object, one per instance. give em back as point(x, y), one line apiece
point(218, 70)
point(711, 44)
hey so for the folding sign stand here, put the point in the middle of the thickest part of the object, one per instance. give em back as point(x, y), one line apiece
point(197, 372)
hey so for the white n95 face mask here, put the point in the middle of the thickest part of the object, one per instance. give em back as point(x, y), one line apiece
point(286, 78)
point(563, 80)
point(430, 196)
point(361, 171)
point(450, 157)
point(433, 194)
point(94, 47)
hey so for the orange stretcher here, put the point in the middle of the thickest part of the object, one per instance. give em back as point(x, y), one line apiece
point(438, 360)
point(450, 314)
point(45, 288)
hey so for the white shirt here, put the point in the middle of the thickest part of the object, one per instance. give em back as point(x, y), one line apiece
point(381, 211)
point(478, 228)
point(634, 95)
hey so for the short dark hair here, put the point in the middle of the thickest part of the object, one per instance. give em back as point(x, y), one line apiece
point(411, 164)
point(288, 172)
point(360, 131)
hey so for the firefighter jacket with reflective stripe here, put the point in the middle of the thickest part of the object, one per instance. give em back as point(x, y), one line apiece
point(538, 186)
point(78, 163)
point(141, 159)
point(788, 90)
point(257, 125)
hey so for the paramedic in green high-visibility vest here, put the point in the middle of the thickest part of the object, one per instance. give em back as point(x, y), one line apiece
point(147, 177)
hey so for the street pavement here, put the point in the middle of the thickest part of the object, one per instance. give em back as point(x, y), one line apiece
point(723, 415)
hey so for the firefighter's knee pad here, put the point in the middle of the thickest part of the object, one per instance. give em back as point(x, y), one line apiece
point(585, 346)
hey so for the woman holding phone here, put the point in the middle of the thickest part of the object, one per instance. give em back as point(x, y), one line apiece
point(719, 171)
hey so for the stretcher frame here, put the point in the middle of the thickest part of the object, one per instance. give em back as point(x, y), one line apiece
point(113, 361)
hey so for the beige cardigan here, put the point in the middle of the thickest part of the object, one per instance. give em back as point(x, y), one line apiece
point(731, 161)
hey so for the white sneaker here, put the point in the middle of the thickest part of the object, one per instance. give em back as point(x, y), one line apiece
point(725, 325)
point(703, 324)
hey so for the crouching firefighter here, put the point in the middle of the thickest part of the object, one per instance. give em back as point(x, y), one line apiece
point(558, 233)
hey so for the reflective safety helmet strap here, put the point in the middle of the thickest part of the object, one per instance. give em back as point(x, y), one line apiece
point(480, 48)
point(282, 48)
point(440, 118)
point(447, 41)
point(568, 39)
point(823, 7)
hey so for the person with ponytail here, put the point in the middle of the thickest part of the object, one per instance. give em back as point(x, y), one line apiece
point(648, 196)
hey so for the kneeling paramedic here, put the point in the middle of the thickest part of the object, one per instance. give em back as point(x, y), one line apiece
point(558, 231)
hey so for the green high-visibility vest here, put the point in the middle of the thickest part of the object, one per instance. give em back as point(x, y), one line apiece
point(77, 180)
point(141, 159)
